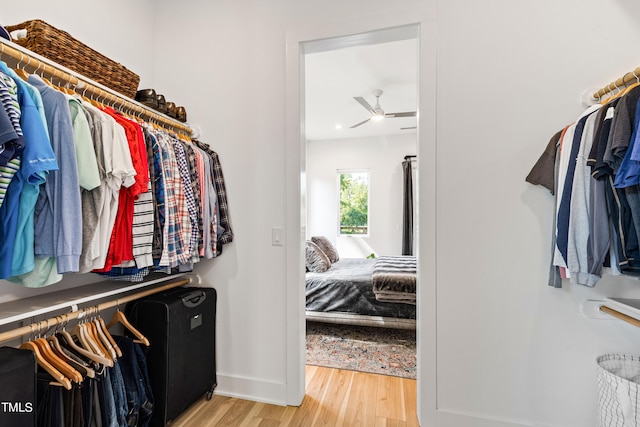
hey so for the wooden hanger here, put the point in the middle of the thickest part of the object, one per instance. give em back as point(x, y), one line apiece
point(622, 93)
point(119, 316)
point(107, 334)
point(83, 351)
point(87, 341)
point(22, 74)
point(628, 89)
point(61, 365)
point(59, 378)
point(21, 71)
point(76, 363)
point(71, 347)
point(93, 331)
point(67, 370)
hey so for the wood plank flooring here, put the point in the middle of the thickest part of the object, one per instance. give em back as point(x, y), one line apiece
point(334, 398)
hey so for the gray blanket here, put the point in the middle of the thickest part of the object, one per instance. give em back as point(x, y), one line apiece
point(347, 288)
point(394, 279)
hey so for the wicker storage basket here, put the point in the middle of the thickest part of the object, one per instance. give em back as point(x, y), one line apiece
point(60, 47)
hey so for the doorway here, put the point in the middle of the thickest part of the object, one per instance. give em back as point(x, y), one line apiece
point(347, 80)
point(298, 42)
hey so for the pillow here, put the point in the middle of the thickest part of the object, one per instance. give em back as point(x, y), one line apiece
point(316, 260)
point(327, 247)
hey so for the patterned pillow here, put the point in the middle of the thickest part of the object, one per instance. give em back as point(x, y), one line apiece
point(316, 260)
point(327, 247)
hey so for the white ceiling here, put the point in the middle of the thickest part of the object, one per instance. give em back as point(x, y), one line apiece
point(334, 77)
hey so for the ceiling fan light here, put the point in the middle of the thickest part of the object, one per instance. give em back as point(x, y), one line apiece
point(377, 117)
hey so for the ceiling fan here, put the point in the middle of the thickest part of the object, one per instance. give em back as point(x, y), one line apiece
point(377, 113)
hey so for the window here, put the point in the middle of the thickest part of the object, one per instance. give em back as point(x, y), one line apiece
point(354, 202)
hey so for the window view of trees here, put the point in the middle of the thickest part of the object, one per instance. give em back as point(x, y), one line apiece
point(354, 202)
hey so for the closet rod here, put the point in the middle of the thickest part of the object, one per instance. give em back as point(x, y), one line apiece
point(621, 316)
point(83, 85)
point(66, 317)
point(620, 83)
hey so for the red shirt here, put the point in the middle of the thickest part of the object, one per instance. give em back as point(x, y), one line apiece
point(121, 244)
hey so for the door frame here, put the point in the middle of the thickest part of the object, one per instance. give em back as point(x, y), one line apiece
point(298, 42)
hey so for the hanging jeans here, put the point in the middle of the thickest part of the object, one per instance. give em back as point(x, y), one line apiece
point(119, 394)
point(138, 391)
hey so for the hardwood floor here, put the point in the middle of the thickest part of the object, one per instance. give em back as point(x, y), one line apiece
point(334, 398)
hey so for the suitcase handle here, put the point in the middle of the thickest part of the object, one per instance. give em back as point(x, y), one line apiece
point(194, 298)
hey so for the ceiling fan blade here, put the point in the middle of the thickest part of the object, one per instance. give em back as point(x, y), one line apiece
point(365, 104)
point(408, 128)
point(358, 124)
point(405, 114)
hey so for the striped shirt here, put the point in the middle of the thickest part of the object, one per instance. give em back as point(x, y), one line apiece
point(225, 223)
point(185, 176)
point(9, 99)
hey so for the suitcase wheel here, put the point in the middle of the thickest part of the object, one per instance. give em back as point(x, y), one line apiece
point(210, 392)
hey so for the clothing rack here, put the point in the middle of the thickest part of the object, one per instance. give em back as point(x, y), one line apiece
point(410, 157)
point(618, 315)
point(15, 56)
point(47, 324)
point(619, 83)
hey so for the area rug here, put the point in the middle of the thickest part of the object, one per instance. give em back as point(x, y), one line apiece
point(362, 348)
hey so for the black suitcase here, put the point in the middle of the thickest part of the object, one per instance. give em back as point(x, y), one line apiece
point(180, 326)
point(17, 387)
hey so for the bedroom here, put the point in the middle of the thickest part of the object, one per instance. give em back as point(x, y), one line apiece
point(342, 141)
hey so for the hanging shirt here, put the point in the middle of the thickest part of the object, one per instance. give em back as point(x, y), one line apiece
point(622, 128)
point(195, 188)
point(224, 224)
point(578, 233)
point(159, 198)
point(192, 215)
point(7, 136)
point(11, 199)
point(58, 216)
point(570, 149)
point(625, 249)
point(143, 213)
point(121, 243)
point(209, 215)
point(175, 239)
point(543, 172)
point(598, 245)
point(93, 201)
point(37, 160)
point(119, 172)
point(88, 173)
point(11, 106)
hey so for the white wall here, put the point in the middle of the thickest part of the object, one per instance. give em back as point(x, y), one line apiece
point(509, 75)
point(382, 157)
point(510, 350)
point(122, 31)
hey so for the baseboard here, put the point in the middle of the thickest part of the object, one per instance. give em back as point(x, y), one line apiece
point(450, 418)
point(252, 389)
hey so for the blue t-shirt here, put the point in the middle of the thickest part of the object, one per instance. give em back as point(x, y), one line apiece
point(58, 217)
point(629, 172)
point(16, 214)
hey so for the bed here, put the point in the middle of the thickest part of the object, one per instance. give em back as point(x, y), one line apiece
point(373, 292)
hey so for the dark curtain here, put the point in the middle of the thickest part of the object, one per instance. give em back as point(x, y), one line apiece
point(407, 209)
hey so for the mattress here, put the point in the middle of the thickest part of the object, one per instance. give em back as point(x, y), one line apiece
point(344, 294)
